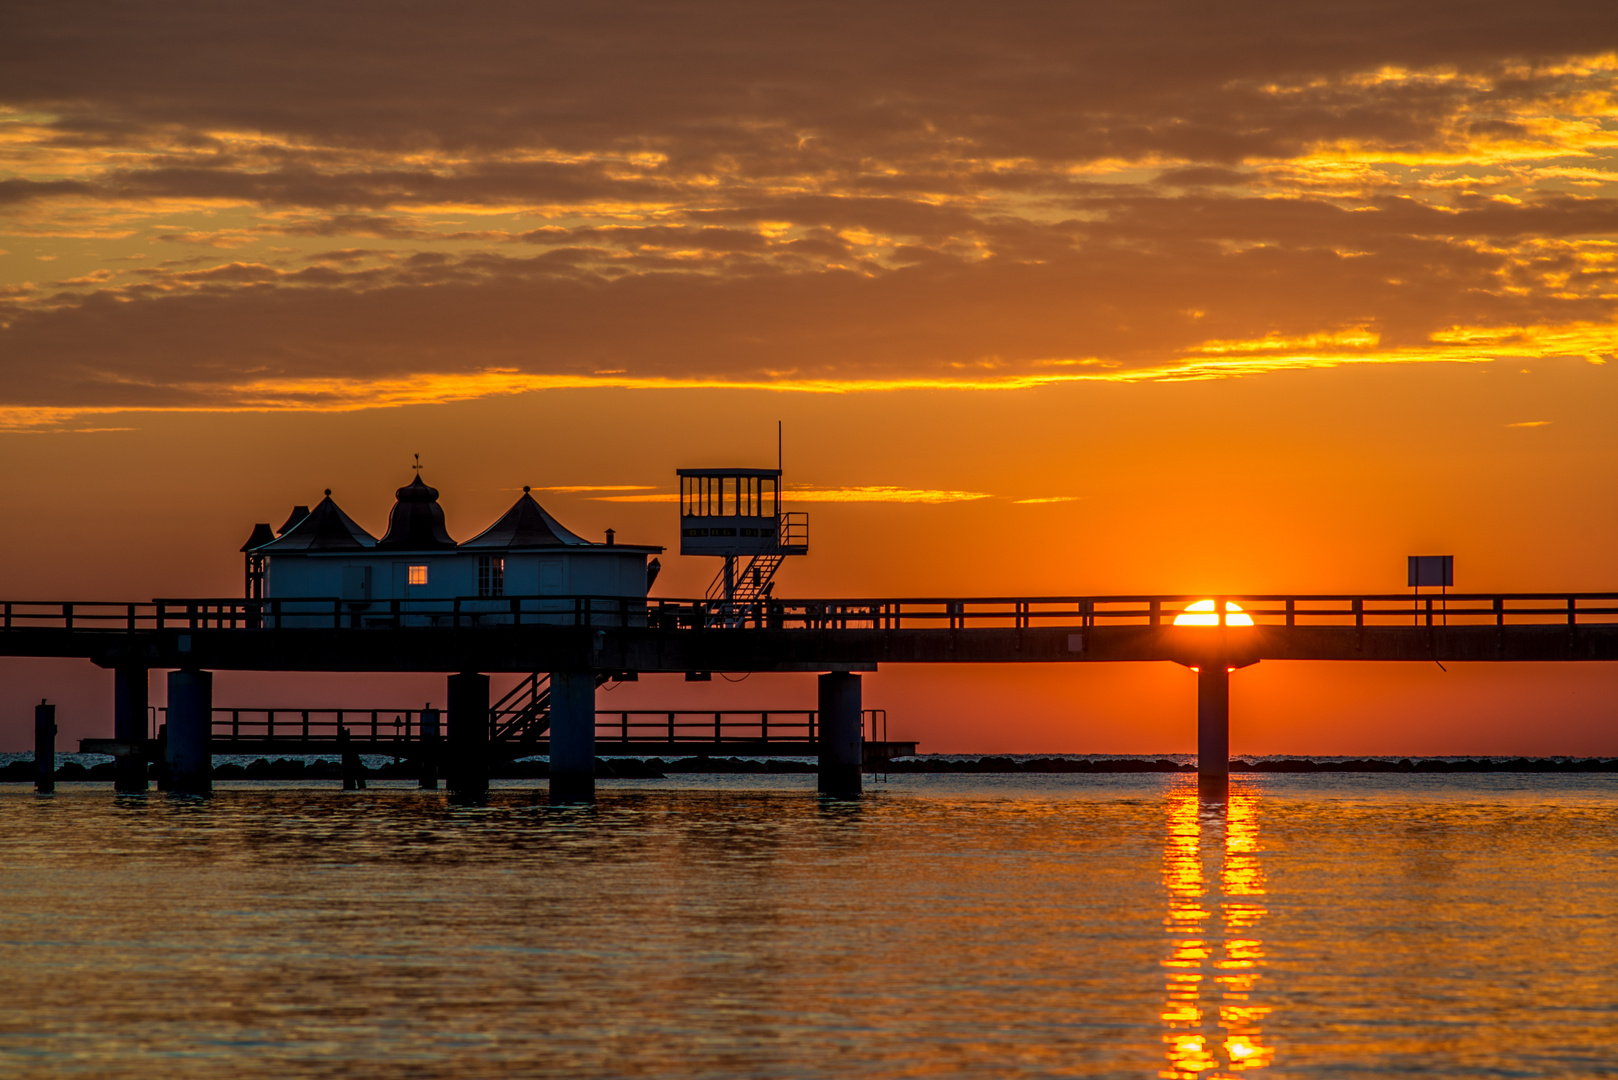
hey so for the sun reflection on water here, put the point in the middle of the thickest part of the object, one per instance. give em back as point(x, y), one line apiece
point(1212, 1025)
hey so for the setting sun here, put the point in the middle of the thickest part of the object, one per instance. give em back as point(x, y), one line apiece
point(1202, 613)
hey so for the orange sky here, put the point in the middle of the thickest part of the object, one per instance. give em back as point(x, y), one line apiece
point(1052, 300)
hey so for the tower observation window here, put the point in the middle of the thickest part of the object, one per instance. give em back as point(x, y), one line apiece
point(730, 496)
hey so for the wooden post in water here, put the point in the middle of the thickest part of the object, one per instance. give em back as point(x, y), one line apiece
point(841, 741)
point(430, 749)
point(353, 767)
point(469, 738)
point(129, 700)
point(44, 747)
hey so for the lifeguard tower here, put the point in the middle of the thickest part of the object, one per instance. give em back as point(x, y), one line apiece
point(736, 514)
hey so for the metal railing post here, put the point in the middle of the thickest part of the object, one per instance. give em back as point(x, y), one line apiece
point(1292, 614)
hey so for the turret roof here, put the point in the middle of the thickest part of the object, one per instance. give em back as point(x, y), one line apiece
point(525, 525)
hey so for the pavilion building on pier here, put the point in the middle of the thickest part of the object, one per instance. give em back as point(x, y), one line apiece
point(416, 565)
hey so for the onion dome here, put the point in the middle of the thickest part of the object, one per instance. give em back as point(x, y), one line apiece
point(526, 525)
point(262, 534)
point(416, 522)
point(325, 528)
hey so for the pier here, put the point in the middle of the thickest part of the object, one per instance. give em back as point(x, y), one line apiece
point(568, 646)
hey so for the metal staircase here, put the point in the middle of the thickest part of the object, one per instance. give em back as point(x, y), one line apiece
point(524, 714)
point(751, 584)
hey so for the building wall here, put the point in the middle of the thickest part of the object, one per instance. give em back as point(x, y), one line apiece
point(367, 582)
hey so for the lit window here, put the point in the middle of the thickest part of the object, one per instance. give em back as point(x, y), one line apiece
point(418, 575)
point(491, 575)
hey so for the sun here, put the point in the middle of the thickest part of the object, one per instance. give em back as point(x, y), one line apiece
point(1203, 613)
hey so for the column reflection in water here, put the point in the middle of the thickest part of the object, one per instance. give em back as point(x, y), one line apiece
point(1213, 1023)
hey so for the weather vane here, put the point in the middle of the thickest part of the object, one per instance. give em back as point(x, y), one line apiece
point(417, 465)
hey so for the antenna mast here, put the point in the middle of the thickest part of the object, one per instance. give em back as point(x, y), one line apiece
point(778, 446)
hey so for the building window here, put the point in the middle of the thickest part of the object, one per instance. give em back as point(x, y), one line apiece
point(491, 575)
point(418, 575)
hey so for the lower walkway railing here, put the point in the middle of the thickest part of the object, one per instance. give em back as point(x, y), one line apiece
point(377, 729)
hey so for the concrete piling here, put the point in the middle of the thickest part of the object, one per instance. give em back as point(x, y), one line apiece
point(469, 738)
point(841, 741)
point(1213, 718)
point(188, 755)
point(129, 703)
point(573, 736)
point(44, 747)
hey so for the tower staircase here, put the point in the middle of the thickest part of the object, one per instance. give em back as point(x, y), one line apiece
point(747, 587)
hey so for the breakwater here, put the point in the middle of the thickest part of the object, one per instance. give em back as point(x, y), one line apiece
point(21, 769)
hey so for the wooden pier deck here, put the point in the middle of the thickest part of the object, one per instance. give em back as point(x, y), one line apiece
point(524, 634)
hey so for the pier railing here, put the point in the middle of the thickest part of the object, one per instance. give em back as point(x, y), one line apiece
point(374, 730)
point(932, 613)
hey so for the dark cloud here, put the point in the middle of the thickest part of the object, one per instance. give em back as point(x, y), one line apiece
point(1204, 176)
point(18, 191)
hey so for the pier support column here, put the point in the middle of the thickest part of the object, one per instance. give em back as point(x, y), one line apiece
point(427, 774)
point(573, 736)
point(189, 755)
point(129, 701)
point(1213, 718)
point(44, 747)
point(841, 741)
point(469, 738)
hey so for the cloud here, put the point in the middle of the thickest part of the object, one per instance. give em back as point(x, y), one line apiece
point(598, 487)
point(393, 204)
point(865, 494)
point(1529, 423)
point(879, 493)
point(1047, 499)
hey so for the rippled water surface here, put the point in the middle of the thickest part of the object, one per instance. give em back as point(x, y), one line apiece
point(1339, 926)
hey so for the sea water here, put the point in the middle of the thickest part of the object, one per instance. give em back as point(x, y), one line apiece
point(1340, 925)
